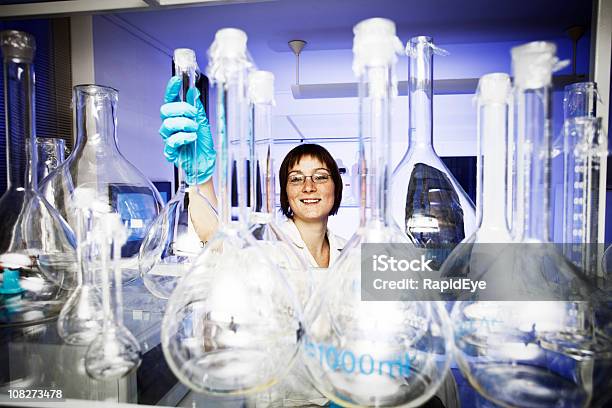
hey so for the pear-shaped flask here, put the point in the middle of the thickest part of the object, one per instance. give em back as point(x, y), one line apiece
point(533, 326)
point(96, 163)
point(428, 203)
point(232, 325)
point(37, 256)
point(171, 243)
point(374, 353)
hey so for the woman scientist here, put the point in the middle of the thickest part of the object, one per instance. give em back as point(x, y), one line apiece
point(311, 191)
point(311, 186)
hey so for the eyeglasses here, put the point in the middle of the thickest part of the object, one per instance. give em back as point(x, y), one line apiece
point(318, 177)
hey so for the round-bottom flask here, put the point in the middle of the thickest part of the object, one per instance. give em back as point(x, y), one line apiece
point(232, 325)
point(365, 346)
point(374, 353)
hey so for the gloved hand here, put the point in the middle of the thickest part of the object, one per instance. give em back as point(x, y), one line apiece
point(182, 124)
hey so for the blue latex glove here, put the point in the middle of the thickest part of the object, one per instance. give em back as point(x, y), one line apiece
point(182, 124)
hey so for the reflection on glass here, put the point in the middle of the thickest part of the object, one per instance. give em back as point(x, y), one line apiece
point(428, 203)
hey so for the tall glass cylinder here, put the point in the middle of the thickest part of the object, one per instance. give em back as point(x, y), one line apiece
point(37, 257)
point(262, 183)
point(171, 243)
point(232, 325)
point(584, 143)
point(428, 203)
point(96, 163)
point(374, 353)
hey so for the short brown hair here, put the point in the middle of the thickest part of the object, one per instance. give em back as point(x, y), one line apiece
point(292, 158)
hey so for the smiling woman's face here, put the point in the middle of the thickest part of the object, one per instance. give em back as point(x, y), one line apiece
point(310, 201)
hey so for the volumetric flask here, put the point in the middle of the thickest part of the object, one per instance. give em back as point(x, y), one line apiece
point(529, 339)
point(262, 189)
point(171, 243)
point(115, 352)
point(232, 325)
point(37, 258)
point(97, 164)
point(361, 349)
point(82, 316)
point(428, 203)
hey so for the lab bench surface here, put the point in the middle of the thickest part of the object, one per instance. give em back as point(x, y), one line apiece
point(35, 357)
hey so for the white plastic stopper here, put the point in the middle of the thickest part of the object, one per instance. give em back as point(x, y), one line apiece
point(261, 87)
point(185, 58)
point(375, 44)
point(229, 43)
point(533, 64)
point(494, 88)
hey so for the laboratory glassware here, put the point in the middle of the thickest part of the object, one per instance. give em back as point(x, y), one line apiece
point(579, 99)
point(374, 353)
point(530, 333)
point(36, 245)
point(51, 153)
point(584, 144)
point(262, 217)
point(232, 324)
point(428, 203)
point(171, 243)
point(264, 227)
point(114, 352)
point(81, 318)
point(472, 256)
point(97, 163)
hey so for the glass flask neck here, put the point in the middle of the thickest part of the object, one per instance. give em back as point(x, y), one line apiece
point(533, 127)
point(21, 148)
point(188, 75)
point(110, 254)
point(261, 138)
point(232, 128)
point(96, 118)
point(376, 88)
point(492, 168)
point(580, 100)
point(420, 96)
